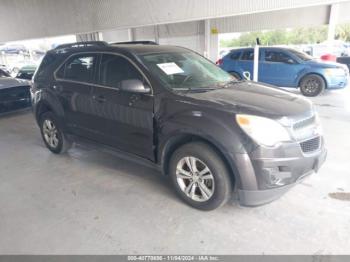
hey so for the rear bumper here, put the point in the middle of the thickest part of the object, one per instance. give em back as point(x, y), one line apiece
point(310, 165)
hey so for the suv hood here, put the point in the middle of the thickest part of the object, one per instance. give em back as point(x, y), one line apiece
point(253, 98)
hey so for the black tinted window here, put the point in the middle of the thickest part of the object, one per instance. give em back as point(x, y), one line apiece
point(115, 69)
point(47, 61)
point(79, 68)
point(235, 55)
point(248, 55)
point(276, 56)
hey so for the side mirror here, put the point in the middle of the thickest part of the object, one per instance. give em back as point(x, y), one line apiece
point(246, 75)
point(134, 86)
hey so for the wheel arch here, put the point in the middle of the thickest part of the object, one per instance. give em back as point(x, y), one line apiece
point(235, 72)
point(176, 141)
point(44, 100)
point(313, 73)
point(41, 108)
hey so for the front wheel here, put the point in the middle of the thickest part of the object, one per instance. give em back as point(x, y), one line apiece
point(312, 85)
point(200, 176)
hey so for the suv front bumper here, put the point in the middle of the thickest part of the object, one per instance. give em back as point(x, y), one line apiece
point(276, 175)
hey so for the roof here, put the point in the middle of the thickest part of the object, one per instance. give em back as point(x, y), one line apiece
point(100, 46)
point(261, 47)
point(149, 49)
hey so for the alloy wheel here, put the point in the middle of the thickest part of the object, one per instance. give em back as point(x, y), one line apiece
point(195, 179)
point(50, 133)
point(311, 86)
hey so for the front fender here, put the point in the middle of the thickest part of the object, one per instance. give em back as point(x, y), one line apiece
point(220, 131)
point(314, 71)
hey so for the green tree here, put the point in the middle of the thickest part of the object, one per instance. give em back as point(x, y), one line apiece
point(343, 32)
point(294, 36)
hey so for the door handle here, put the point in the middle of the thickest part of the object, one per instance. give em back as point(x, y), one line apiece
point(100, 99)
point(57, 88)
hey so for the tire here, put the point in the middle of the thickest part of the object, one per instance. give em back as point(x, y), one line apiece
point(50, 128)
point(236, 75)
point(217, 182)
point(312, 85)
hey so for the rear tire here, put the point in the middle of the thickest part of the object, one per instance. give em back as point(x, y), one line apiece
point(312, 85)
point(52, 134)
point(200, 177)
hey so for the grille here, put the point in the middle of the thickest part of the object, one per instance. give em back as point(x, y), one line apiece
point(310, 145)
point(304, 123)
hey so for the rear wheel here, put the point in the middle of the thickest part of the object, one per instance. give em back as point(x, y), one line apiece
point(200, 176)
point(52, 134)
point(312, 85)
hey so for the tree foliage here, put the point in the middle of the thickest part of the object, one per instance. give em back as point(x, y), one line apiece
point(288, 37)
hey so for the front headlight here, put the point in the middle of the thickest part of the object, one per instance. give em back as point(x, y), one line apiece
point(335, 72)
point(263, 130)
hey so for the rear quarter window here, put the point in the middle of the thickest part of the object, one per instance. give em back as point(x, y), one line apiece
point(235, 55)
point(47, 61)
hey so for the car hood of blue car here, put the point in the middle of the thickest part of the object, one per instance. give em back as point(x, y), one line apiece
point(324, 64)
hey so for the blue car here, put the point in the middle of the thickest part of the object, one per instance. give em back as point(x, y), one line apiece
point(286, 67)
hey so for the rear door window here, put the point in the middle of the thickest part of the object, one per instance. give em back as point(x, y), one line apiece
point(276, 56)
point(235, 55)
point(79, 68)
point(248, 55)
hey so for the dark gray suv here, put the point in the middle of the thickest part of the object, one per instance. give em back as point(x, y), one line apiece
point(168, 105)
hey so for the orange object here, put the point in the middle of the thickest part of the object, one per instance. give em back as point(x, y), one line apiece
point(243, 120)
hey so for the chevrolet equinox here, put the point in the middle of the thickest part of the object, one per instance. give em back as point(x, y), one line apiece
point(212, 134)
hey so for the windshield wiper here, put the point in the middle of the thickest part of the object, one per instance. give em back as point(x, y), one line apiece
point(196, 89)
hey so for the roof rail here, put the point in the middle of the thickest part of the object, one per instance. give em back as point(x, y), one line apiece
point(135, 43)
point(82, 44)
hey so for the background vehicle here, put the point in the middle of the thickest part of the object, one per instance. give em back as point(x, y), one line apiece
point(172, 107)
point(287, 67)
point(26, 72)
point(344, 60)
point(16, 66)
point(14, 49)
point(4, 73)
point(4, 69)
point(14, 93)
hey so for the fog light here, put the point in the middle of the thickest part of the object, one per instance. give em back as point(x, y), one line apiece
point(277, 176)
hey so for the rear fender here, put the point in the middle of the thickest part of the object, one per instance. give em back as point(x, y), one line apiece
point(44, 100)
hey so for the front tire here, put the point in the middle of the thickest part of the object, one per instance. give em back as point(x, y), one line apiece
point(200, 177)
point(52, 134)
point(312, 85)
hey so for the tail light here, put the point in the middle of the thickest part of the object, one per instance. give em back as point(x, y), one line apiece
point(219, 62)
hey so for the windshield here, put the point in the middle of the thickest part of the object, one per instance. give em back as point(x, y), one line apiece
point(303, 56)
point(186, 70)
